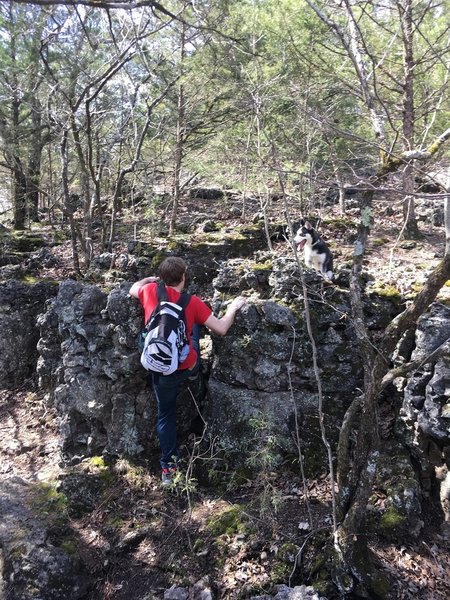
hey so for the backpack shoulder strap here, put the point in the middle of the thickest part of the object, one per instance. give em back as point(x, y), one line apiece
point(161, 296)
point(161, 292)
point(183, 300)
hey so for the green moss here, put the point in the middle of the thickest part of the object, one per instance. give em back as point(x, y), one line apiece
point(265, 266)
point(435, 146)
point(416, 286)
point(400, 481)
point(323, 584)
point(175, 245)
point(199, 544)
point(60, 236)
point(389, 292)
point(379, 241)
point(386, 291)
point(201, 246)
point(49, 501)
point(26, 242)
point(103, 471)
point(322, 565)
point(282, 566)
point(388, 163)
point(339, 223)
point(279, 572)
point(391, 519)
point(135, 475)
point(288, 553)
point(157, 259)
point(98, 462)
point(115, 522)
point(69, 547)
point(30, 280)
point(18, 552)
point(229, 522)
point(248, 229)
point(218, 225)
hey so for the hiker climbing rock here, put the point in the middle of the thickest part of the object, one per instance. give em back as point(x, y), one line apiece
point(169, 363)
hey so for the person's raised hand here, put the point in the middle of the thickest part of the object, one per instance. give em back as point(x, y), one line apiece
point(238, 302)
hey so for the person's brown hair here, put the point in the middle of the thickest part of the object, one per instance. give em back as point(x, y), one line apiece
point(172, 270)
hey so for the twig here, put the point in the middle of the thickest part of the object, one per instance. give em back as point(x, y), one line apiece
point(399, 237)
point(297, 436)
point(297, 561)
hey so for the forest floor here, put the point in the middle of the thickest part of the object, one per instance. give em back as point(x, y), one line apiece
point(241, 538)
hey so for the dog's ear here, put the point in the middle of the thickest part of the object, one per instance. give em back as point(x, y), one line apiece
point(302, 222)
point(308, 225)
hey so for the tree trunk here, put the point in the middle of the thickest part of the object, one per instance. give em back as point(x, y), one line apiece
point(85, 187)
point(34, 162)
point(411, 230)
point(19, 178)
point(447, 215)
point(19, 198)
point(67, 204)
point(179, 141)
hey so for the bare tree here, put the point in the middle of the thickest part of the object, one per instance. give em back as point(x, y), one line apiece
point(132, 165)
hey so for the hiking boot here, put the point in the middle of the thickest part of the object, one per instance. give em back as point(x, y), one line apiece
point(167, 476)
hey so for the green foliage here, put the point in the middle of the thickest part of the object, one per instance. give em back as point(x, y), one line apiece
point(183, 483)
point(269, 77)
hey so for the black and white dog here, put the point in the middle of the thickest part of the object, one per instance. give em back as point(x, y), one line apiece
point(316, 253)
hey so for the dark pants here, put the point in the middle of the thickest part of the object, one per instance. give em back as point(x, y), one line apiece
point(166, 389)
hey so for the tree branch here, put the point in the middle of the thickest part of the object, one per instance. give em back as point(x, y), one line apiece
point(106, 4)
point(405, 369)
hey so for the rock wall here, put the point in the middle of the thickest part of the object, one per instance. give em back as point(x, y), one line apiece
point(262, 379)
point(261, 386)
point(425, 412)
point(263, 383)
point(20, 305)
point(262, 368)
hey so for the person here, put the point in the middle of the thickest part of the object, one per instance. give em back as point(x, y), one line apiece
point(172, 272)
